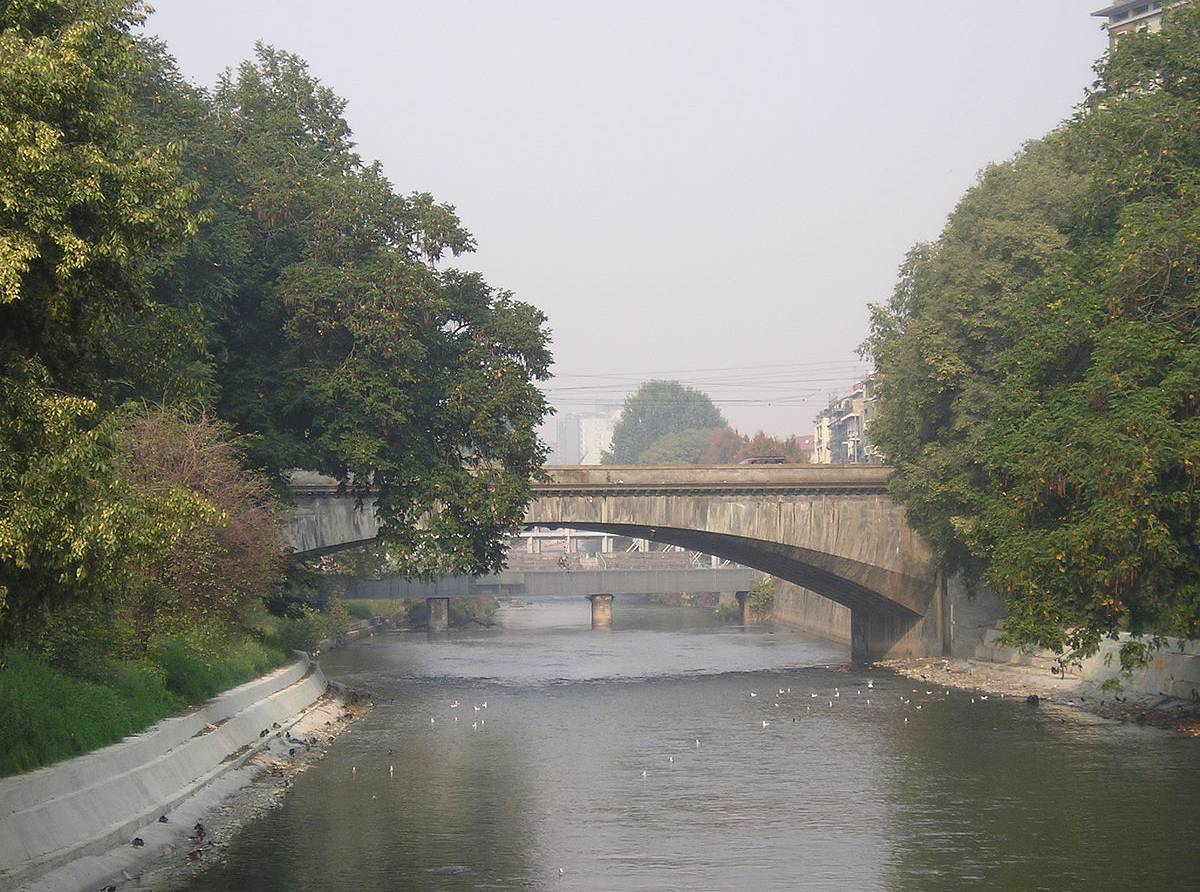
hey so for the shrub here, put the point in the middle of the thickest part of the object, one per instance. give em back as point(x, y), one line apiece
point(47, 715)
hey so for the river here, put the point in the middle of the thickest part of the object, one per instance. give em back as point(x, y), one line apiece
point(637, 759)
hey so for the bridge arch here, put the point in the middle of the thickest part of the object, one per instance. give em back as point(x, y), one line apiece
point(833, 530)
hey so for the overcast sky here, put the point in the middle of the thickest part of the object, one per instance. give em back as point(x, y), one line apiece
point(706, 191)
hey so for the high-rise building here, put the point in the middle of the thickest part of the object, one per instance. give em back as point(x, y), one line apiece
point(1134, 15)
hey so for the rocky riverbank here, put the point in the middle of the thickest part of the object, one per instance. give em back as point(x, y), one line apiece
point(268, 777)
point(1022, 682)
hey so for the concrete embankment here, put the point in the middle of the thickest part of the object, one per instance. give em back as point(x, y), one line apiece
point(1165, 692)
point(87, 805)
point(1173, 671)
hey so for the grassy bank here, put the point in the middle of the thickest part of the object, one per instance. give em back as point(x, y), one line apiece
point(48, 715)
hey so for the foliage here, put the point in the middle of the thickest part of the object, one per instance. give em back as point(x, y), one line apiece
point(761, 597)
point(303, 631)
point(49, 715)
point(195, 674)
point(656, 409)
point(328, 330)
point(73, 530)
point(678, 448)
point(225, 566)
point(1040, 366)
point(762, 443)
point(81, 200)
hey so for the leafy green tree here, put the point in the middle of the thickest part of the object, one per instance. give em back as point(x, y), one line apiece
point(81, 204)
point(679, 448)
point(315, 310)
point(1040, 366)
point(81, 201)
point(658, 408)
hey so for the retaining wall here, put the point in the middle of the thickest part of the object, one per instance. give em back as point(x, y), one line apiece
point(89, 804)
point(1173, 671)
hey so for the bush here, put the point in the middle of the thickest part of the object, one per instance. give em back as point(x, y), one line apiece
point(47, 715)
point(194, 675)
point(359, 610)
point(303, 632)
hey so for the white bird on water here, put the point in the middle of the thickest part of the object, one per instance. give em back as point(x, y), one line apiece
point(353, 770)
point(391, 771)
point(752, 694)
point(765, 723)
point(831, 704)
point(671, 759)
point(870, 683)
point(697, 743)
point(455, 704)
point(643, 772)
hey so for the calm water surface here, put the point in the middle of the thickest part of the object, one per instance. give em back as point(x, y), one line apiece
point(989, 795)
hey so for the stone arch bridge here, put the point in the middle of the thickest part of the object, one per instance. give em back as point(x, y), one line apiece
point(833, 530)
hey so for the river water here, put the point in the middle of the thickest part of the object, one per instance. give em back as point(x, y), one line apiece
point(638, 759)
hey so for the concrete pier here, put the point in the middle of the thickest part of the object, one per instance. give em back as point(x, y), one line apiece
point(743, 600)
point(601, 611)
point(439, 614)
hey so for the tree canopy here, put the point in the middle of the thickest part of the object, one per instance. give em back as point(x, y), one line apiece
point(198, 287)
point(1039, 365)
point(656, 409)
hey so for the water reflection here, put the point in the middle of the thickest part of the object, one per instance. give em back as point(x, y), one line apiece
point(841, 796)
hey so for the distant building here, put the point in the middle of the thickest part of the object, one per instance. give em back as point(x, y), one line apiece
point(596, 436)
point(566, 442)
point(842, 428)
point(1138, 15)
point(581, 440)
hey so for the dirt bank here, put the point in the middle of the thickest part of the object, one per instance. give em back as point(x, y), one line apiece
point(1020, 682)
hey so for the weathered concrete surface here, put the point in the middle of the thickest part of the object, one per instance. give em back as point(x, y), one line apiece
point(438, 613)
point(542, 583)
point(87, 805)
point(602, 611)
point(830, 529)
point(802, 609)
point(1173, 671)
point(325, 518)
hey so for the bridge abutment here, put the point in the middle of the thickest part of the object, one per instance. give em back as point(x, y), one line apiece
point(438, 610)
point(602, 611)
point(875, 635)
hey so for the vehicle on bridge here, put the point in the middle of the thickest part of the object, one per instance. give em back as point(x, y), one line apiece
point(765, 460)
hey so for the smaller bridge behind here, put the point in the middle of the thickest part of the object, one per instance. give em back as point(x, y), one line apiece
point(541, 584)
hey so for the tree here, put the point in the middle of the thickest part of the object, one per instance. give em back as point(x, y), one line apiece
point(655, 409)
point(81, 202)
point(679, 448)
point(764, 444)
point(1039, 366)
point(314, 311)
point(81, 205)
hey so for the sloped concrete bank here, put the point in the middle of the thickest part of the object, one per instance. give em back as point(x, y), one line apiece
point(88, 805)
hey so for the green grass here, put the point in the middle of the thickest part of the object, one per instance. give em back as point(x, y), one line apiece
point(48, 715)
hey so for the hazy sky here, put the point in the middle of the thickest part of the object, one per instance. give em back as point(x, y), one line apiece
point(705, 191)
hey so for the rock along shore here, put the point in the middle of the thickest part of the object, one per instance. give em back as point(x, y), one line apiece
point(1021, 682)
